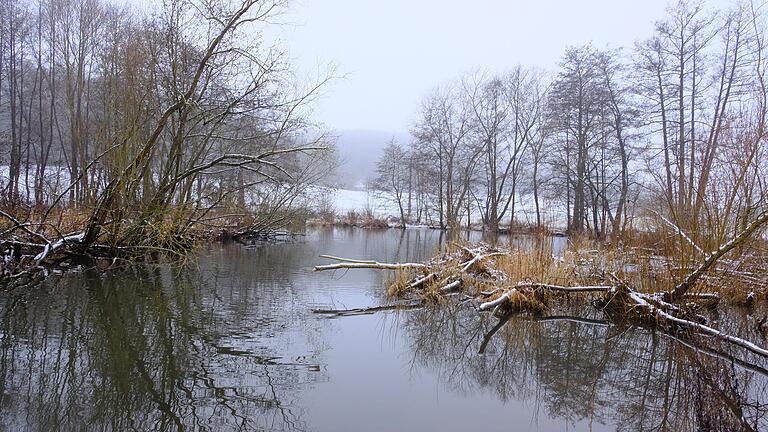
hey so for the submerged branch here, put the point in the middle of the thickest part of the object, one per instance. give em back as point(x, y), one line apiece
point(700, 328)
point(333, 313)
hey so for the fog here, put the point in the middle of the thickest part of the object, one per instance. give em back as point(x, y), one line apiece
point(391, 54)
point(388, 55)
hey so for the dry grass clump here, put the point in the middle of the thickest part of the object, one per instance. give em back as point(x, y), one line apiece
point(59, 220)
point(620, 306)
point(537, 265)
point(398, 283)
point(431, 294)
point(486, 273)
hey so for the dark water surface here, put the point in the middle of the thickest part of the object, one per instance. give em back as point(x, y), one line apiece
point(229, 342)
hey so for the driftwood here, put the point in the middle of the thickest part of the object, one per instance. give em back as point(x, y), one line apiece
point(453, 286)
point(333, 313)
point(374, 265)
point(53, 247)
point(662, 310)
point(502, 299)
point(348, 263)
point(478, 257)
point(420, 281)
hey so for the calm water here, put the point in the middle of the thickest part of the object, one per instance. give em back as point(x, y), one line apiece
point(229, 343)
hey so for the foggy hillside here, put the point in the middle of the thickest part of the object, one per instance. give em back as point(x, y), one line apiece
point(359, 150)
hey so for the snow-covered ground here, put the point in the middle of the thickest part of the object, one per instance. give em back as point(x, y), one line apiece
point(345, 200)
point(341, 201)
point(56, 180)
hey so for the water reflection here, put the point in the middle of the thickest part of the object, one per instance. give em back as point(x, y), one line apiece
point(145, 349)
point(228, 342)
point(589, 372)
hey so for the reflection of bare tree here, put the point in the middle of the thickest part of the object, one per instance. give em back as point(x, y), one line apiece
point(587, 370)
point(144, 349)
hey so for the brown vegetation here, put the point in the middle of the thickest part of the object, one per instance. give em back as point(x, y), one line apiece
point(141, 132)
point(621, 282)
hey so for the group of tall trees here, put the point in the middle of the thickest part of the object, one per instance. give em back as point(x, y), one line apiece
point(673, 127)
point(139, 118)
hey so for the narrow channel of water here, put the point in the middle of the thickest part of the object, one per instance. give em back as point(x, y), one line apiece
point(228, 342)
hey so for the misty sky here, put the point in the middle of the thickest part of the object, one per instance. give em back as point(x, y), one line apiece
point(393, 52)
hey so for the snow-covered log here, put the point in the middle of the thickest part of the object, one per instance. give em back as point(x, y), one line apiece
point(370, 265)
point(499, 301)
point(477, 258)
point(700, 328)
point(52, 247)
point(420, 281)
point(450, 287)
point(335, 258)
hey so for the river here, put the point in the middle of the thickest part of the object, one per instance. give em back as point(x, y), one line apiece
point(228, 341)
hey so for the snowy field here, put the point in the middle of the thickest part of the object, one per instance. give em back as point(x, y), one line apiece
point(342, 201)
point(56, 180)
point(345, 200)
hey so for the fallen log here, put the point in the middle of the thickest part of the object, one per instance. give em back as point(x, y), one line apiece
point(52, 247)
point(478, 257)
point(349, 263)
point(335, 258)
point(371, 265)
point(333, 313)
point(453, 286)
point(499, 301)
point(700, 328)
point(420, 281)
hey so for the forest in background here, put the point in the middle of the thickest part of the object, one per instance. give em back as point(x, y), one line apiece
point(668, 134)
point(133, 129)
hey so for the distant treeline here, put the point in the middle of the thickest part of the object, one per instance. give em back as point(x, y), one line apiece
point(673, 126)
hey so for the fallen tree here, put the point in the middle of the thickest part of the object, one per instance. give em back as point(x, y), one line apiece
point(500, 281)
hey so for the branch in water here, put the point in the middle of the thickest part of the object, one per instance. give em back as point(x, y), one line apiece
point(371, 265)
point(333, 313)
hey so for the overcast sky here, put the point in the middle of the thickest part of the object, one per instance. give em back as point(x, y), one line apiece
point(393, 52)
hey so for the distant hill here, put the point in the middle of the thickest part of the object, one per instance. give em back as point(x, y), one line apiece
point(359, 150)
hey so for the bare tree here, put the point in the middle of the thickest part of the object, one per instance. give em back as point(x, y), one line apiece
point(162, 121)
point(576, 105)
point(444, 130)
point(393, 177)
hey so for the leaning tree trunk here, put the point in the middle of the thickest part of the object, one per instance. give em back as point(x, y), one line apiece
point(683, 287)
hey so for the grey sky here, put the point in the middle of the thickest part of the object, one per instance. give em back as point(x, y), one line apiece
point(393, 52)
